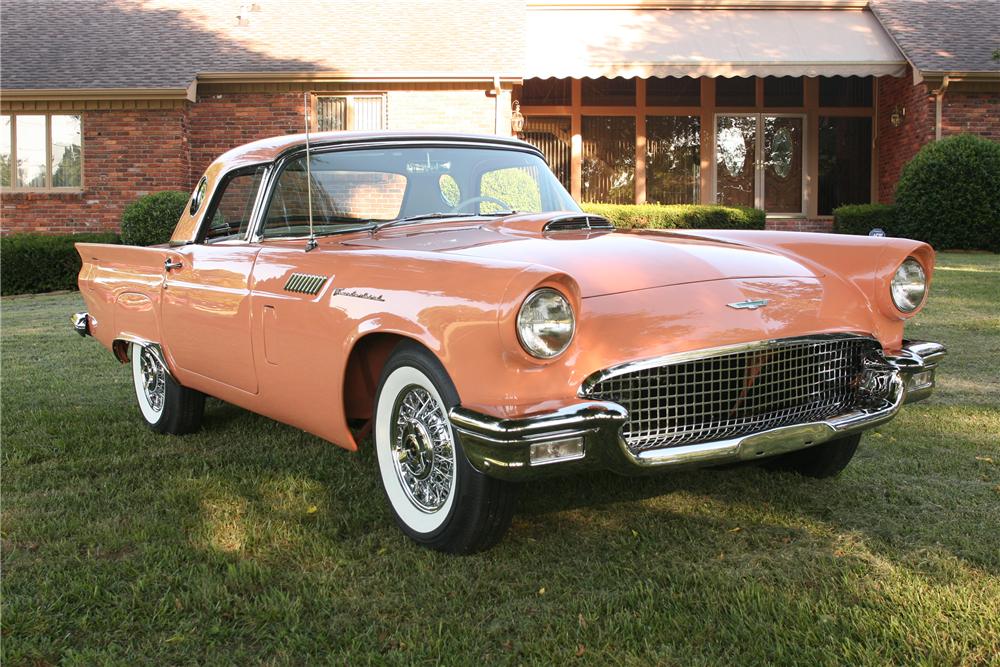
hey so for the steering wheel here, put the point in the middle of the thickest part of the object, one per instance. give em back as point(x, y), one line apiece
point(504, 206)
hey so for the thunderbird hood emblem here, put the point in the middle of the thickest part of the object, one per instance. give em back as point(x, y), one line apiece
point(749, 304)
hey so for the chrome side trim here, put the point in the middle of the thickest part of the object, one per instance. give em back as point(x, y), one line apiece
point(705, 353)
point(304, 283)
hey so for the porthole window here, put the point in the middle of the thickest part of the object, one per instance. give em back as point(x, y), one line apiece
point(199, 195)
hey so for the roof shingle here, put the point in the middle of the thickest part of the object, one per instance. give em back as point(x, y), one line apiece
point(167, 43)
point(941, 36)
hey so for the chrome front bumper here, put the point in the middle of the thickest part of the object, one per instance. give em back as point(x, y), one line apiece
point(587, 435)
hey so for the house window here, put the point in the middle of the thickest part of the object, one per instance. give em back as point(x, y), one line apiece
point(608, 167)
point(350, 112)
point(846, 91)
point(41, 151)
point(548, 92)
point(673, 159)
point(552, 136)
point(736, 91)
point(845, 162)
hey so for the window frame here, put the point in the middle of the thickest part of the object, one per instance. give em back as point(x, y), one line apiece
point(211, 204)
point(349, 97)
point(48, 187)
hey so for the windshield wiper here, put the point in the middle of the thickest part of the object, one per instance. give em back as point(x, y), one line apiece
point(413, 218)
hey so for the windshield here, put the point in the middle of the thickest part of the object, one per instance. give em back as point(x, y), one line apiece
point(362, 187)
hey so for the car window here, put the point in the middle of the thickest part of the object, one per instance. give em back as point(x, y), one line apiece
point(340, 199)
point(230, 214)
point(516, 188)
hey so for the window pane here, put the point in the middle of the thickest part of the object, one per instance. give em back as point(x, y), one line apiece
point(608, 92)
point(546, 92)
point(368, 113)
point(552, 136)
point(845, 91)
point(66, 152)
point(516, 187)
point(331, 113)
point(673, 92)
point(609, 159)
point(5, 130)
point(673, 159)
point(31, 151)
point(736, 91)
point(782, 164)
point(231, 215)
point(735, 153)
point(845, 162)
point(783, 91)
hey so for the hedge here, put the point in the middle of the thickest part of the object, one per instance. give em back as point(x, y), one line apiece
point(678, 216)
point(151, 219)
point(32, 263)
point(862, 218)
point(949, 194)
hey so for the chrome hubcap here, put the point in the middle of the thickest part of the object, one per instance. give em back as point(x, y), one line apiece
point(154, 378)
point(422, 449)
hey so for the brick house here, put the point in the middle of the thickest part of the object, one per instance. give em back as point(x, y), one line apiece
point(769, 103)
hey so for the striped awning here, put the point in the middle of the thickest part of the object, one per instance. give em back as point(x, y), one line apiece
point(580, 43)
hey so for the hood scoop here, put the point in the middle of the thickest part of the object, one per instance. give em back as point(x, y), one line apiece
point(577, 223)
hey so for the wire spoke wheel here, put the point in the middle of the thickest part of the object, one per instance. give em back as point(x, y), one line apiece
point(154, 379)
point(422, 448)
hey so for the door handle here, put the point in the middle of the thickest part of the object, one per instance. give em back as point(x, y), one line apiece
point(169, 264)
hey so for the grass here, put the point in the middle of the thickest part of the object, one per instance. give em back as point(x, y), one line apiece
point(252, 542)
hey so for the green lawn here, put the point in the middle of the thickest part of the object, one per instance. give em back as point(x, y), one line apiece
point(252, 542)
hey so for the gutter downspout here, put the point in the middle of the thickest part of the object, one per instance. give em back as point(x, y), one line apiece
point(938, 104)
point(496, 103)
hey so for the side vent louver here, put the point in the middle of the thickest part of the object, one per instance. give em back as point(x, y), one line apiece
point(568, 223)
point(303, 283)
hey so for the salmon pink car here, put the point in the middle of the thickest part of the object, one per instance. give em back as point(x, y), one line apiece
point(445, 294)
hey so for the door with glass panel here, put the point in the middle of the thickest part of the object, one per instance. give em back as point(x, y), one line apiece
point(759, 161)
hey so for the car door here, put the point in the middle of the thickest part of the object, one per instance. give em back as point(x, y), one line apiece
point(205, 312)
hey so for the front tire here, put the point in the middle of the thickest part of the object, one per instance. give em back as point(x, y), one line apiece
point(820, 461)
point(165, 406)
point(438, 499)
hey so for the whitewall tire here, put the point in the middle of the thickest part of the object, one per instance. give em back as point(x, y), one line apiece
point(438, 499)
point(165, 406)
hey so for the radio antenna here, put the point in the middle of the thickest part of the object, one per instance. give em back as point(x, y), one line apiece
point(311, 244)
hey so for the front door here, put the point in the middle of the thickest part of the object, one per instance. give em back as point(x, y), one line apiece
point(205, 312)
point(759, 161)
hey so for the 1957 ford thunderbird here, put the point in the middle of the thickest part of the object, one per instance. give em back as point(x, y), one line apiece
point(446, 293)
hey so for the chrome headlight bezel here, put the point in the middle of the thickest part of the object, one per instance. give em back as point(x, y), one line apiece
point(908, 287)
point(531, 323)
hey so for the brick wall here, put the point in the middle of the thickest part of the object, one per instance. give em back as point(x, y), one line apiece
point(898, 145)
point(126, 154)
point(799, 224)
point(978, 113)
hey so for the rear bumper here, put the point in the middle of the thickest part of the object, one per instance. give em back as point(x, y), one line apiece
point(587, 435)
point(81, 323)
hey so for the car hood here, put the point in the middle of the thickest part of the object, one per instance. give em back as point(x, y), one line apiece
point(601, 262)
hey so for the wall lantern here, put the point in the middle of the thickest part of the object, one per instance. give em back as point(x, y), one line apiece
point(898, 114)
point(516, 119)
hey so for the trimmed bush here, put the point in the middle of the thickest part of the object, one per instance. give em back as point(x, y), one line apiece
point(949, 194)
point(678, 216)
point(862, 218)
point(150, 220)
point(32, 263)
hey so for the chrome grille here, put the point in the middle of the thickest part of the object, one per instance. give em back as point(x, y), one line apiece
point(731, 393)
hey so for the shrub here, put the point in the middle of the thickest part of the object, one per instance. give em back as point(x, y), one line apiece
point(949, 194)
point(32, 263)
point(151, 219)
point(862, 218)
point(678, 216)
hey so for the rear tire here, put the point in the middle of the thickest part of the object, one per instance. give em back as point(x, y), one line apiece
point(438, 499)
point(164, 405)
point(820, 461)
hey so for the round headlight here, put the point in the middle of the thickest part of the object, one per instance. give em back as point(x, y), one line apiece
point(909, 285)
point(545, 323)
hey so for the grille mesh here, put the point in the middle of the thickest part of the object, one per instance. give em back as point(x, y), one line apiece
point(729, 395)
